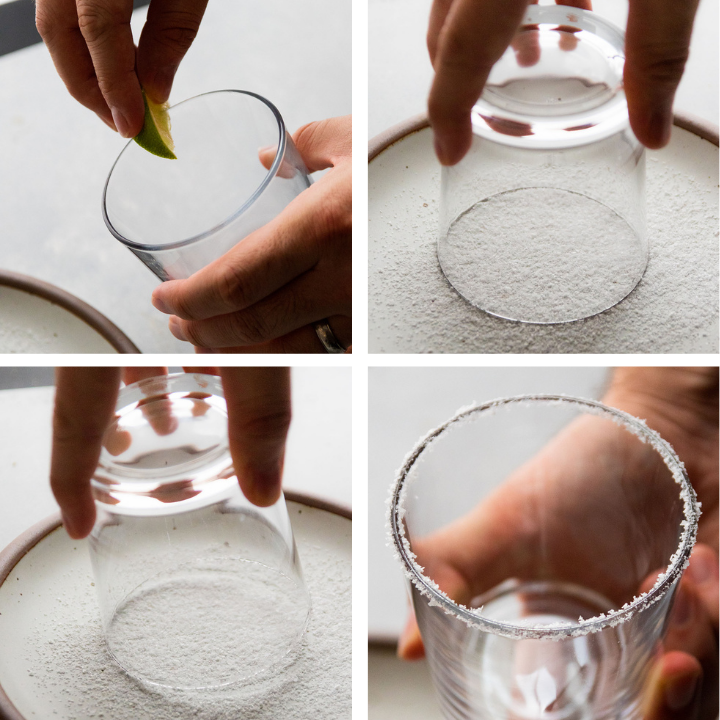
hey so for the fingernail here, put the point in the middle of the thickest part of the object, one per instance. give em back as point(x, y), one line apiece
point(441, 151)
point(159, 304)
point(267, 148)
point(122, 125)
point(683, 608)
point(703, 567)
point(660, 127)
point(68, 525)
point(265, 482)
point(108, 122)
point(176, 329)
point(680, 693)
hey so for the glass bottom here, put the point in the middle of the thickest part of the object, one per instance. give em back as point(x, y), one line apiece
point(543, 679)
point(542, 255)
point(210, 623)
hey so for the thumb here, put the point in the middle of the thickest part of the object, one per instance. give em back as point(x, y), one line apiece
point(258, 402)
point(324, 143)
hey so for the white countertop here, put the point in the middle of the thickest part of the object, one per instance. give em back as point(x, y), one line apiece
point(400, 72)
point(317, 459)
point(55, 155)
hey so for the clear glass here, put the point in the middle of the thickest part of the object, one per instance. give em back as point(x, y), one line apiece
point(543, 221)
point(179, 215)
point(574, 507)
point(197, 587)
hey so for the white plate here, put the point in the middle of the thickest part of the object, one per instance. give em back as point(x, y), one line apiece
point(51, 587)
point(413, 309)
point(36, 317)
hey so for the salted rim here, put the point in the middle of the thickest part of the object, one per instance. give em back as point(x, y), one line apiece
point(562, 630)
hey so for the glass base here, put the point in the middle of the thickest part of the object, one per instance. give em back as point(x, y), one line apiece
point(542, 255)
point(543, 679)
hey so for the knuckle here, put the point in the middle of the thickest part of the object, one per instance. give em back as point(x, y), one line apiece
point(666, 66)
point(176, 29)
point(306, 135)
point(251, 327)
point(232, 287)
point(273, 420)
point(96, 20)
point(45, 25)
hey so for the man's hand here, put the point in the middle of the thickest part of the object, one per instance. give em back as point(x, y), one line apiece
point(258, 404)
point(491, 543)
point(265, 294)
point(467, 37)
point(91, 44)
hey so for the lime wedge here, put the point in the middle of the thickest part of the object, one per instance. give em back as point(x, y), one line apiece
point(155, 135)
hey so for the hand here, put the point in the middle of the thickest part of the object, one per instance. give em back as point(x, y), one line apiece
point(258, 403)
point(91, 44)
point(478, 551)
point(466, 38)
point(265, 294)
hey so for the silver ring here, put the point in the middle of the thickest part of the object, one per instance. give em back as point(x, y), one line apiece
point(327, 337)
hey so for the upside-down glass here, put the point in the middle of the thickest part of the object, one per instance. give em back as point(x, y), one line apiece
point(179, 215)
point(573, 507)
point(543, 221)
point(197, 587)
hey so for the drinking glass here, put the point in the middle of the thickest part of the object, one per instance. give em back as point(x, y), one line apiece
point(179, 215)
point(573, 508)
point(197, 587)
point(543, 221)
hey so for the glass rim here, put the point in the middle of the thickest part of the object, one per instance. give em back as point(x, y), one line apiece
point(271, 173)
point(430, 590)
point(611, 120)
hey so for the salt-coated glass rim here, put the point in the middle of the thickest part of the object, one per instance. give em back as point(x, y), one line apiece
point(272, 172)
point(428, 588)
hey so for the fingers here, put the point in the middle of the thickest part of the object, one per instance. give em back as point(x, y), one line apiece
point(475, 34)
point(84, 404)
point(438, 13)
point(325, 143)
point(657, 42)
point(673, 690)
point(303, 340)
point(57, 23)
point(410, 645)
point(308, 299)
point(258, 401)
point(703, 572)
point(263, 262)
point(169, 31)
point(105, 25)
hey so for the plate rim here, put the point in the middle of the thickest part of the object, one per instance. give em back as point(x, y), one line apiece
point(88, 314)
point(383, 140)
point(16, 550)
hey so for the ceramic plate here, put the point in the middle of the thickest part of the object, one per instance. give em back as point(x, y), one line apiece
point(413, 309)
point(36, 317)
point(45, 574)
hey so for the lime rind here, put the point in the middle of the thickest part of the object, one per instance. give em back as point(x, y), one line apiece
point(155, 135)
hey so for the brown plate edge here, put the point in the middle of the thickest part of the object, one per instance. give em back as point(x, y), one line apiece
point(697, 126)
point(21, 546)
point(88, 314)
